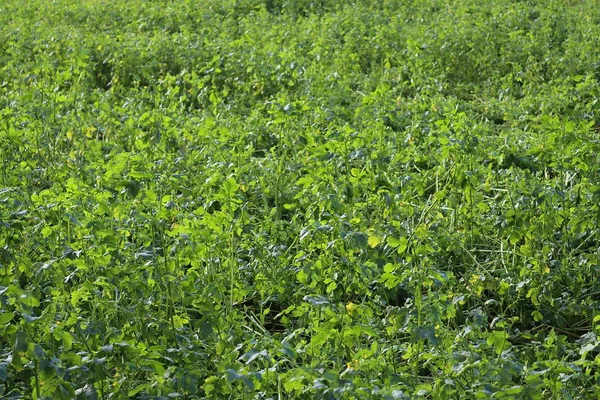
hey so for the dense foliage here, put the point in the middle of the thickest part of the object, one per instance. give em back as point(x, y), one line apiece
point(299, 199)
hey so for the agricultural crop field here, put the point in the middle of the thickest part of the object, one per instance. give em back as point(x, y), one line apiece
point(299, 199)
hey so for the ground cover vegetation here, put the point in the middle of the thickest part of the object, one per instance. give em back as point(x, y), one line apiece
point(299, 199)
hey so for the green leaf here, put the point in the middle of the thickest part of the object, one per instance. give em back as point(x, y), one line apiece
point(514, 238)
point(319, 339)
point(89, 392)
point(586, 349)
point(399, 244)
point(66, 337)
point(21, 342)
point(374, 241)
point(38, 352)
point(47, 368)
point(426, 332)
point(513, 390)
point(498, 339)
point(5, 318)
point(232, 375)
point(305, 181)
point(253, 355)
point(287, 349)
point(390, 280)
point(363, 330)
point(188, 382)
point(46, 231)
point(294, 384)
point(145, 116)
point(316, 301)
point(13, 395)
point(158, 368)
point(64, 390)
point(360, 239)
point(138, 389)
point(107, 349)
point(30, 301)
point(230, 186)
point(140, 175)
point(30, 318)
point(3, 372)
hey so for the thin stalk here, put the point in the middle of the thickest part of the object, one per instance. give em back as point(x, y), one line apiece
point(170, 306)
point(418, 304)
point(231, 266)
point(281, 156)
point(38, 390)
point(341, 344)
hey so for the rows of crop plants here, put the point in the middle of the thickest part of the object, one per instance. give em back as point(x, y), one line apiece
point(369, 199)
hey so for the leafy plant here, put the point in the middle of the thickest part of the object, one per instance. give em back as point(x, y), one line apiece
point(299, 199)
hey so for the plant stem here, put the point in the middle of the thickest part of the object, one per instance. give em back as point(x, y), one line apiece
point(38, 390)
